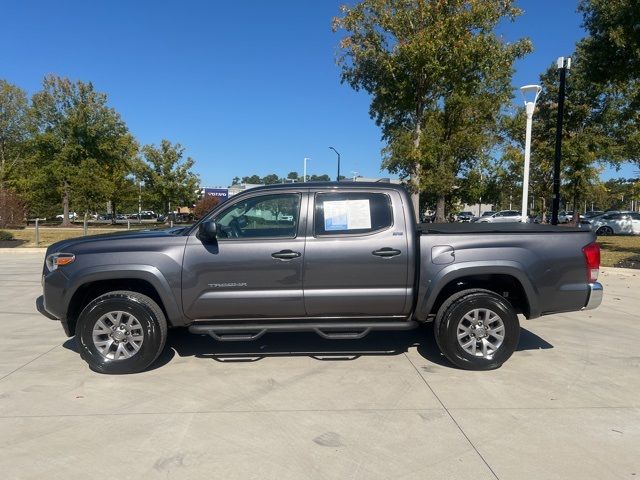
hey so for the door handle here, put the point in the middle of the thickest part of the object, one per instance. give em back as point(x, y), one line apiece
point(286, 255)
point(386, 252)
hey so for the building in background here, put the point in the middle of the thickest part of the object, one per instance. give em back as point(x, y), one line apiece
point(241, 187)
point(477, 208)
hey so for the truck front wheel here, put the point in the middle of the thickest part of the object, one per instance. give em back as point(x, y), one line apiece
point(121, 332)
point(477, 329)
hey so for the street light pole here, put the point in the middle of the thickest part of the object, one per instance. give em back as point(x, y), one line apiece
point(337, 153)
point(563, 64)
point(304, 174)
point(530, 107)
point(139, 201)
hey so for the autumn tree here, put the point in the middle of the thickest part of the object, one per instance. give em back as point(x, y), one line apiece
point(437, 74)
point(205, 205)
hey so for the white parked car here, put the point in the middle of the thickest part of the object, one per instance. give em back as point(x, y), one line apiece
point(502, 216)
point(565, 217)
point(617, 223)
point(72, 216)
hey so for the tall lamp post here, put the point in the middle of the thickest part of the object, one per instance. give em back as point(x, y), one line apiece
point(337, 153)
point(528, 91)
point(563, 64)
point(304, 174)
point(140, 183)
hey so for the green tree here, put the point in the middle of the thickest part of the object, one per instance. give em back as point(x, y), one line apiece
point(611, 61)
point(253, 179)
point(319, 178)
point(589, 140)
point(89, 187)
point(437, 74)
point(270, 179)
point(612, 47)
point(14, 131)
point(72, 125)
point(168, 178)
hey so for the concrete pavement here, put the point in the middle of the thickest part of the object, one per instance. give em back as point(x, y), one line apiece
point(296, 406)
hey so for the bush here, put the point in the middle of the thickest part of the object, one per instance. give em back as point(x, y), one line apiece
point(12, 208)
point(5, 236)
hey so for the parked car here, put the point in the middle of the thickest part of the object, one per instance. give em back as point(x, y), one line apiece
point(72, 216)
point(503, 216)
point(353, 261)
point(565, 217)
point(428, 218)
point(618, 223)
point(591, 214)
point(465, 216)
point(488, 213)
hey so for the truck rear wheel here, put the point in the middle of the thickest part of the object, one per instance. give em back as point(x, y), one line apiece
point(121, 332)
point(477, 329)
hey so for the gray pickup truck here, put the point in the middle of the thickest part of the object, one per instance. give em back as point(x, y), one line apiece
point(340, 259)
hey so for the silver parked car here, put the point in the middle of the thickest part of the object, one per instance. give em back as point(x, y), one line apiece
point(503, 216)
point(617, 223)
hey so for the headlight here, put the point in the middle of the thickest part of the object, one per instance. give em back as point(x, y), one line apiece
point(56, 260)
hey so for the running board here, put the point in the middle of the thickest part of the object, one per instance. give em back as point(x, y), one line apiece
point(329, 331)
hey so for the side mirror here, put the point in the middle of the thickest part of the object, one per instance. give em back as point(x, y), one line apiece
point(208, 231)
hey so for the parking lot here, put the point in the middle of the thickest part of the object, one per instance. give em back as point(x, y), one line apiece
point(296, 406)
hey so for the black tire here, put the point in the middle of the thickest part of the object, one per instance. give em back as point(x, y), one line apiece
point(605, 231)
point(451, 313)
point(148, 314)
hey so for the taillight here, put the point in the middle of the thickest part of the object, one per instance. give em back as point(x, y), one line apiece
point(592, 259)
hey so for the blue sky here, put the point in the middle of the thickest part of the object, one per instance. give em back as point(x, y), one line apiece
point(247, 87)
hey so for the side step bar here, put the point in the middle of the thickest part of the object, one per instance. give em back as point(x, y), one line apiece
point(329, 331)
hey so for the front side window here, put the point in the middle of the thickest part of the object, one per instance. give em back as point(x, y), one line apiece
point(262, 216)
point(352, 213)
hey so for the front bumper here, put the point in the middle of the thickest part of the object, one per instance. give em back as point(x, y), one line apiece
point(41, 308)
point(595, 296)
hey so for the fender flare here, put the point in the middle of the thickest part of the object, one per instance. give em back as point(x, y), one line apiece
point(494, 267)
point(148, 273)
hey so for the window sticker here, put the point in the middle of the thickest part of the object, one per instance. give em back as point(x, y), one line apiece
point(347, 215)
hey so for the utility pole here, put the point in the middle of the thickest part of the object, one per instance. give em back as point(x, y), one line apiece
point(563, 65)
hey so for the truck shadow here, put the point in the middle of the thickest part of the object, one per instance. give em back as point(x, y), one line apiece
point(303, 344)
point(185, 344)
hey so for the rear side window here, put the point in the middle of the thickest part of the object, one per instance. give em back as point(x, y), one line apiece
point(352, 213)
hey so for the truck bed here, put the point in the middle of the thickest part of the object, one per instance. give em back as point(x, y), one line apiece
point(513, 227)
